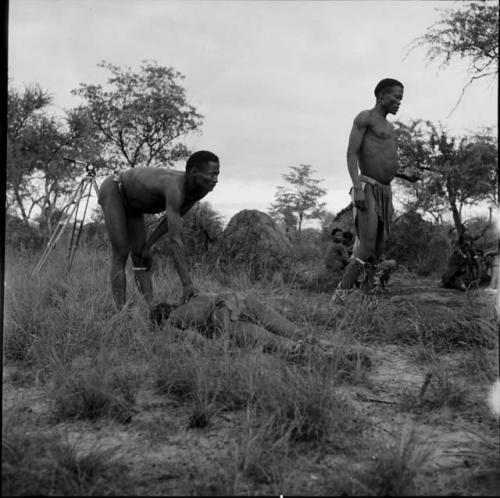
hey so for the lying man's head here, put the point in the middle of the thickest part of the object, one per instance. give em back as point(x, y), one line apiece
point(161, 311)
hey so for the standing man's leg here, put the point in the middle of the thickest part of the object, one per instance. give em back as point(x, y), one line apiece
point(365, 252)
point(116, 226)
point(142, 271)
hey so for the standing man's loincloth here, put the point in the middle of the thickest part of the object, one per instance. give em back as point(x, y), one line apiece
point(382, 195)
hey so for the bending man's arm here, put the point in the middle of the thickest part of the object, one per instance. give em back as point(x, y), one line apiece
point(176, 247)
point(160, 230)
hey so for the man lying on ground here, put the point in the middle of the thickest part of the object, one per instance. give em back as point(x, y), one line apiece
point(245, 321)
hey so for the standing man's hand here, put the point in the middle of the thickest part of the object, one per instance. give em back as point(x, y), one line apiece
point(414, 178)
point(188, 292)
point(359, 198)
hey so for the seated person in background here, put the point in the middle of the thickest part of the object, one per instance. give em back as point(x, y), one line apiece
point(488, 268)
point(336, 259)
point(461, 264)
point(348, 241)
point(384, 271)
point(337, 256)
point(494, 268)
point(244, 320)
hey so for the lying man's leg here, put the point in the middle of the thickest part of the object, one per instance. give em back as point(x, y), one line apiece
point(271, 320)
point(246, 334)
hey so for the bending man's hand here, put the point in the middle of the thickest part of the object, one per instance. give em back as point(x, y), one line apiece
point(146, 259)
point(188, 292)
point(359, 199)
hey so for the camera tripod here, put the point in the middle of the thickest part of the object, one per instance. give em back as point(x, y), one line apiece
point(71, 212)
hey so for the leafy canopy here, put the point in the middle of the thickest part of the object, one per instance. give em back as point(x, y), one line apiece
point(140, 115)
point(469, 33)
point(455, 171)
point(299, 200)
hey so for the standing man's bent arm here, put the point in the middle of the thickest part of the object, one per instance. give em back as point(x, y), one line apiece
point(355, 141)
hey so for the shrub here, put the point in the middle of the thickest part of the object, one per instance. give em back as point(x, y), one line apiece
point(418, 244)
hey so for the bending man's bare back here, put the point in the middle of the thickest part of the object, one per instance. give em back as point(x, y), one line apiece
point(372, 162)
point(125, 197)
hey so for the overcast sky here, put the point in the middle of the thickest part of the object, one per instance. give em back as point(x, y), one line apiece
point(278, 82)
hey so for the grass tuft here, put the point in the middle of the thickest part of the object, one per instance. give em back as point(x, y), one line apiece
point(43, 464)
point(92, 394)
point(394, 469)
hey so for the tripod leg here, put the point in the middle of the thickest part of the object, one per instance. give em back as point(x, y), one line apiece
point(74, 242)
point(56, 235)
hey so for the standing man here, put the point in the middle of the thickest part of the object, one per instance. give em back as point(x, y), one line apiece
point(125, 197)
point(373, 150)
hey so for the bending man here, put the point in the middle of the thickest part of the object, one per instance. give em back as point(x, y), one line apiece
point(125, 197)
point(372, 148)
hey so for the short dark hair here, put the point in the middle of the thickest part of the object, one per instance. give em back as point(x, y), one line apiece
point(335, 230)
point(200, 158)
point(386, 83)
point(160, 312)
point(348, 235)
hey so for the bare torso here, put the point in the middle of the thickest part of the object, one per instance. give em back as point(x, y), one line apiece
point(145, 189)
point(378, 155)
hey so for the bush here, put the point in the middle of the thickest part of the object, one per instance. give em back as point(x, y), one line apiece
point(22, 237)
point(418, 244)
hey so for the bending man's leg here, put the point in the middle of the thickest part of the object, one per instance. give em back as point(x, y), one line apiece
point(142, 270)
point(116, 226)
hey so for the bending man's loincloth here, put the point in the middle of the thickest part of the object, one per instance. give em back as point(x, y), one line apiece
point(382, 195)
point(117, 178)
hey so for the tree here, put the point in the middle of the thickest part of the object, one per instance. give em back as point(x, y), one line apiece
point(39, 180)
point(22, 109)
point(469, 33)
point(299, 200)
point(37, 176)
point(456, 171)
point(140, 116)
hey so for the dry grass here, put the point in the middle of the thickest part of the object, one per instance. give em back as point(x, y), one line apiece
point(91, 395)
point(394, 467)
point(95, 362)
point(42, 463)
